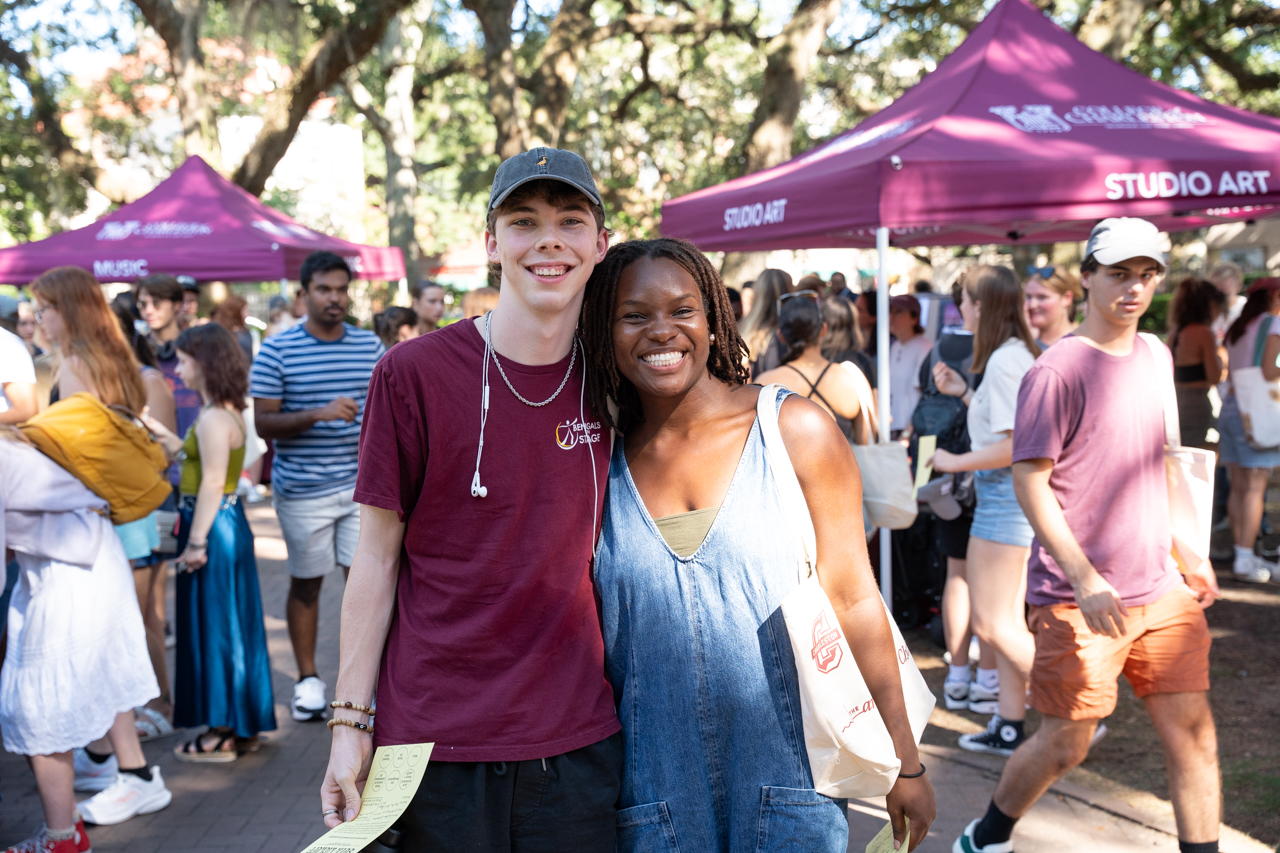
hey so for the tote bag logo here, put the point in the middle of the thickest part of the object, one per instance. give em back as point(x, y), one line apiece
point(826, 644)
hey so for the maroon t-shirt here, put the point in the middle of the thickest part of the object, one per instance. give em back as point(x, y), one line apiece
point(1100, 419)
point(495, 651)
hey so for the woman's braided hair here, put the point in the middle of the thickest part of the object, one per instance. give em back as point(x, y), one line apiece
point(605, 382)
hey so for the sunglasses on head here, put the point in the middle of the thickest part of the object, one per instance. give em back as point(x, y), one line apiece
point(801, 294)
point(1043, 273)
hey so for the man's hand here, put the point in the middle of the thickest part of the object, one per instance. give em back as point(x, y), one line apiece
point(1101, 605)
point(914, 799)
point(1204, 584)
point(350, 756)
point(341, 409)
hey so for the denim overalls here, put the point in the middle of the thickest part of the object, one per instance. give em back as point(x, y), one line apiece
point(701, 665)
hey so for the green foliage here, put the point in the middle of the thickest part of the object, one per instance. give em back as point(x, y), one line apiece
point(36, 195)
point(1156, 319)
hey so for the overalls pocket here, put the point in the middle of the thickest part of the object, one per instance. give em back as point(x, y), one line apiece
point(800, 820)
point(646, 829)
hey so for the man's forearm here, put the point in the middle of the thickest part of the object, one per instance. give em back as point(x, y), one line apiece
point(367, 604)
point(284, 424)
point(1041, 507)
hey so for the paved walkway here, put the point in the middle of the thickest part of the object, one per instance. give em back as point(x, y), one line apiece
point(269, 801)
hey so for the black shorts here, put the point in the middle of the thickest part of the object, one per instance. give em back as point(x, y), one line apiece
point(953, 536)
point(562, 803)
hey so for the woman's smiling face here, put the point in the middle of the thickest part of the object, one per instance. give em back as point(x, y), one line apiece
point(661, 339)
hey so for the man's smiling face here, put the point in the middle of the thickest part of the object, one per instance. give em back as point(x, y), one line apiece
point(547, 252)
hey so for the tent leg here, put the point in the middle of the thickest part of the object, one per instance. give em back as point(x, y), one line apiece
point(882, 369)
point(402, 293)
point(284, 287)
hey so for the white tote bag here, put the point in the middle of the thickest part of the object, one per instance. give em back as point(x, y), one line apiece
point(1258, 398)
point(888, 492)
point(850, 751)
point(1189, 473)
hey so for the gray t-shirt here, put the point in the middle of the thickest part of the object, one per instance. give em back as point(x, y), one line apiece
point(1100, 419)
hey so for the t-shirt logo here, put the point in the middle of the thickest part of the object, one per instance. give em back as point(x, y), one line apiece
point(569, 434)
point(826, 644)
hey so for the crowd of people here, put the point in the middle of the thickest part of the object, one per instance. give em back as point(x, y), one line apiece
point(582, 613)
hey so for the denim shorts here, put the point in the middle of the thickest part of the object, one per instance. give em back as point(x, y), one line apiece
point(998, 517)
point(1233, 447)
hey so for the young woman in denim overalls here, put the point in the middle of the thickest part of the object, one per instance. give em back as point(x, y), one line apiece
point(694, 561)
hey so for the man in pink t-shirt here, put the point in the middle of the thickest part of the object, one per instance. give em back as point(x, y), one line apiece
point(1106, 596)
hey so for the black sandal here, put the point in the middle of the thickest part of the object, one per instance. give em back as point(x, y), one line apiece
point(193, 751)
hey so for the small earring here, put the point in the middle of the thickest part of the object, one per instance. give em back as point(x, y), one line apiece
point(713, 338)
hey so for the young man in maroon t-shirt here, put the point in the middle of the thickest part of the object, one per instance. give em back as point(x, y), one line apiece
point(482, 477)
point(1106, 595)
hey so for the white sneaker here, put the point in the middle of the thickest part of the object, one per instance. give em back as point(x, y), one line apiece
point(982, 700)
point(966, 844)
point(309, 699)
point(128, 796)
point(1250, 569)
point(956, 694)
point(92, 777)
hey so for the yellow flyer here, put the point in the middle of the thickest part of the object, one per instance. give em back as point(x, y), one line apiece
point(393, 780)
point(883, 842)
point(927, 447)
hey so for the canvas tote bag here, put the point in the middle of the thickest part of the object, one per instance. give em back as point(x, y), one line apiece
point(850, 751)
point(888, 492)
point(1259, 400)
point(1189, 473)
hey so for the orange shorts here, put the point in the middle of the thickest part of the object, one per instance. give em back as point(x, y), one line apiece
point(1165, 649)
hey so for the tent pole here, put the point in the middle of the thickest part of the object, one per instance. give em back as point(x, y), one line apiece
point(284, 287)
point(882, 370)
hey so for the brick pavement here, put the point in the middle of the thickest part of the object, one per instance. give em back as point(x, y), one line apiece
point(269, 801)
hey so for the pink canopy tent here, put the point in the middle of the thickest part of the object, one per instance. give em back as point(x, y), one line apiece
point(195, 223)
point(1022, 134)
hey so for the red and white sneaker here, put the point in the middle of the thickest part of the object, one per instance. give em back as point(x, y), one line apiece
point(41, 843)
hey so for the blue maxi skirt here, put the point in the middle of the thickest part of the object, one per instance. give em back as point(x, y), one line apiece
point(223, 676)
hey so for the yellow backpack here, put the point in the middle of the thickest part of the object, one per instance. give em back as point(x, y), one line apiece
point(107, 449)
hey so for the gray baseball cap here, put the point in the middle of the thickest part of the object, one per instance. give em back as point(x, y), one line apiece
point(8, 308)
point(543, 164)
point(1121, 238)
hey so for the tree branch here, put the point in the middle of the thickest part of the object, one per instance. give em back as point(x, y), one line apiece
point(44, 107)
point(325, 63)
point(1247, 79)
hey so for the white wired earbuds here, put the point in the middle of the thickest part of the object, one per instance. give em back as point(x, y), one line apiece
point(480, 491)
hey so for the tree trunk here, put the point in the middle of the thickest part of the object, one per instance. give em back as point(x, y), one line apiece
point(789, 56)
point(178, 26)
point(401, 47)
point(1109, 25)
point(571, 33)
point(324, 66)
point(500, 74)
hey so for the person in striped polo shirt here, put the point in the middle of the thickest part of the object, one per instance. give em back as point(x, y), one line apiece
point(309, 385)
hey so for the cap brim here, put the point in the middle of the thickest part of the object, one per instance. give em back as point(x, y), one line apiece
point(590, 192)
point(1109, 257)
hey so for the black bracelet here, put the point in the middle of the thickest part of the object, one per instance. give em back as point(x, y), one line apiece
point(913, 775)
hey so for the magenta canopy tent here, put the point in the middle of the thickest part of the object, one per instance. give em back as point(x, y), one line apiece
point(194, 223)
point(1022, 134)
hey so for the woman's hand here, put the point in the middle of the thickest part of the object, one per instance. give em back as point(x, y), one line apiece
point(949, 382)
point(349, 759)
point(946, 462)
point(167, 438)
point(912, 798)
point(193, 558)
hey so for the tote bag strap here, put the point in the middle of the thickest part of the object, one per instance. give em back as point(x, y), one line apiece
point(794, 509)
point(1169, 397)
point(1260, 345)
point(865, 403)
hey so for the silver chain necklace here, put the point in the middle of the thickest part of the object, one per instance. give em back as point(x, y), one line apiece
point(488, 345)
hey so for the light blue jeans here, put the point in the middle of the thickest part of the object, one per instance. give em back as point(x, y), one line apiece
point(998, 517)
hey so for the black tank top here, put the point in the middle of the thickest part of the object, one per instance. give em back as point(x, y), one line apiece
point(846, 425)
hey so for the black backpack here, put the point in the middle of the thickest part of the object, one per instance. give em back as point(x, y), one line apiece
point(940, 414)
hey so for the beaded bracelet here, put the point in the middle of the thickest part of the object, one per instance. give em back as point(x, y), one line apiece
point(363, 709)
point(913, 775)
point(339, 722)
